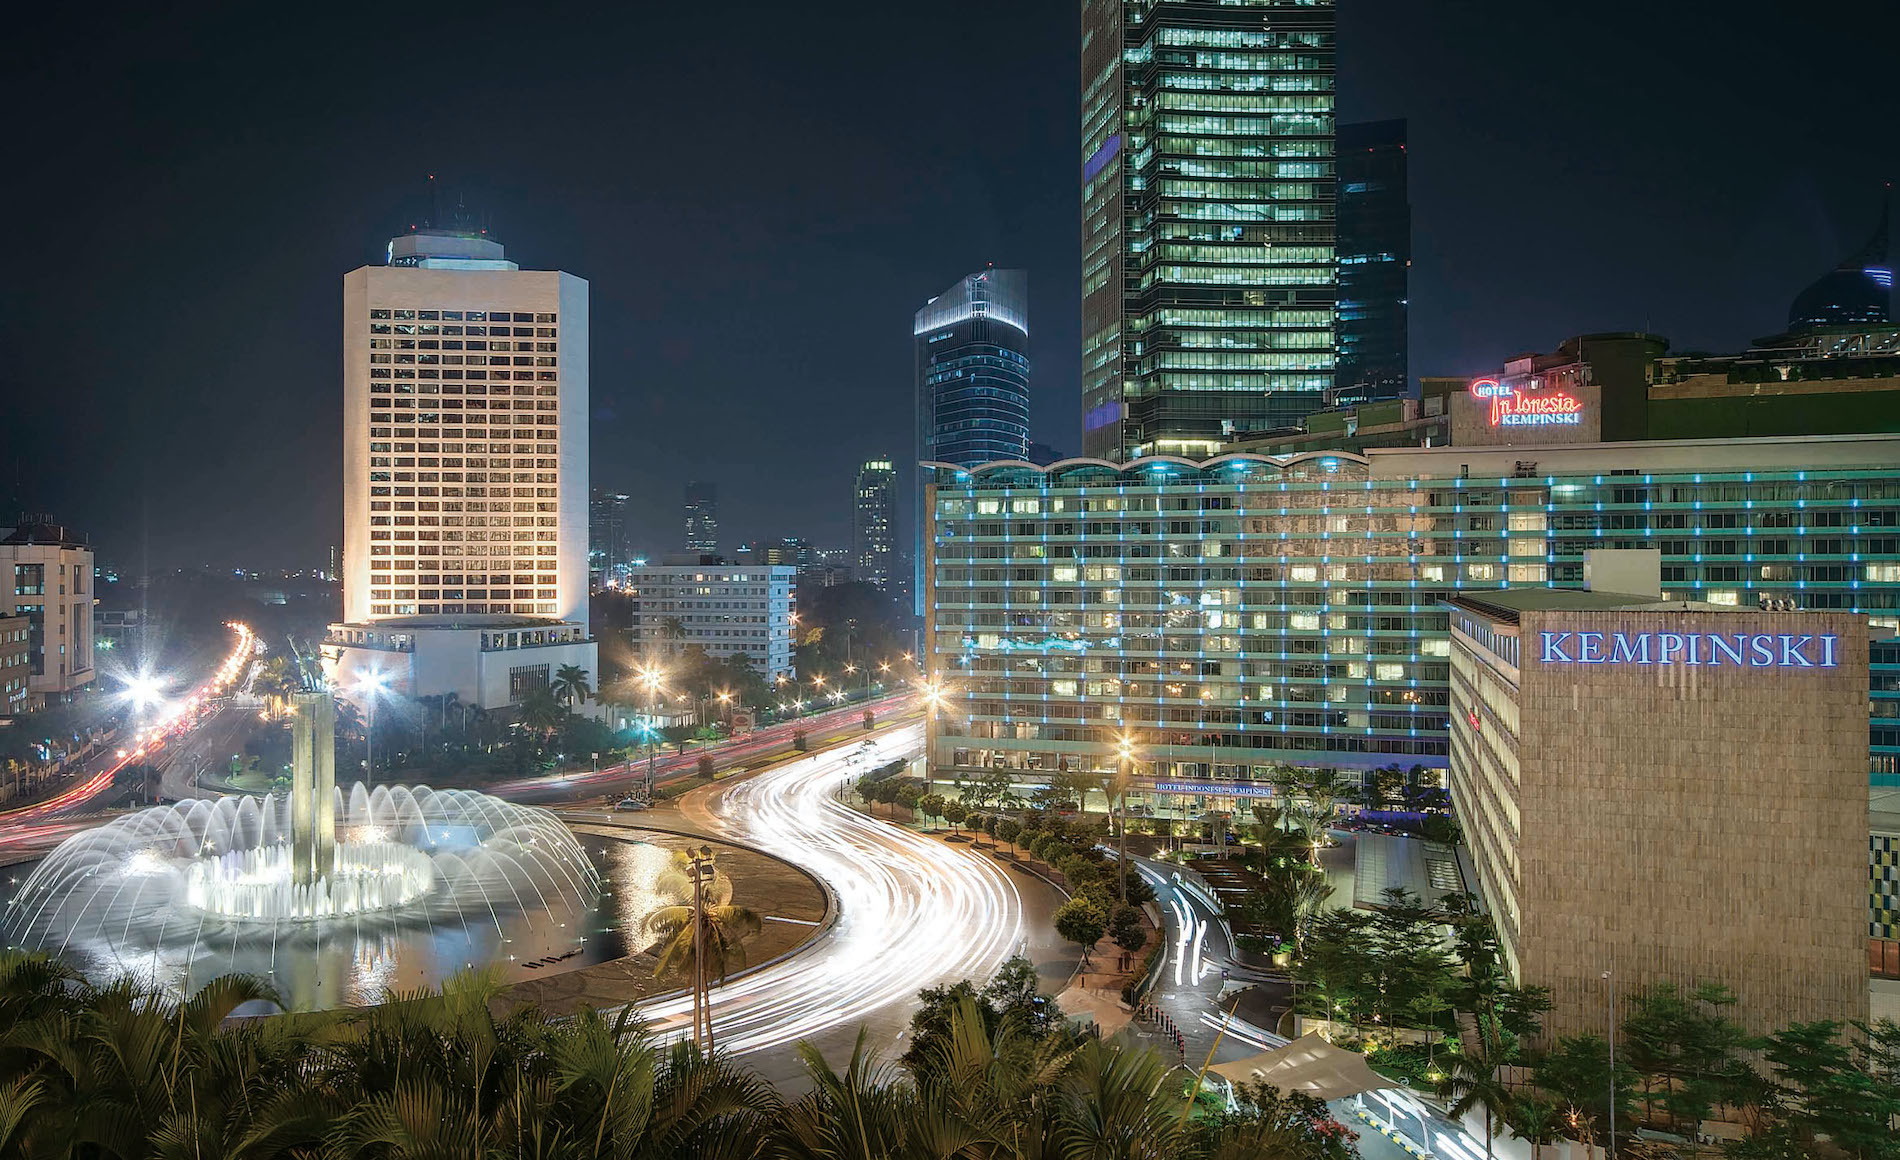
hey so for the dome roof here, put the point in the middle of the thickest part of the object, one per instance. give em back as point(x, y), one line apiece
point(1856, 291)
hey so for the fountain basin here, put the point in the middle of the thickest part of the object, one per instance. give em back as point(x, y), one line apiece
point(258, 884)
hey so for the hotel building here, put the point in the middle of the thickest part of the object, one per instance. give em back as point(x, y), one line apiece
point(1248, 611)
point(724, 609)
point(465, 473)
point(1615, 756)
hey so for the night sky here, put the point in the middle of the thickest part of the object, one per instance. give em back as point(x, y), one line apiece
point(762, 200)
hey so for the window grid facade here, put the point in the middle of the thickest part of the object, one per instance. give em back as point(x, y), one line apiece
point(464, 477)
point(1251, 612)
point(1209, 279)
point(723, 610)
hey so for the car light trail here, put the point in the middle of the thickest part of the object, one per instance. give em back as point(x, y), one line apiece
point(912, 911)
point(178, 719)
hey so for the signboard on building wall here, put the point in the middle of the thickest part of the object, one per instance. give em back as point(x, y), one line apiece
point(1216, 788)
point(1525, 410)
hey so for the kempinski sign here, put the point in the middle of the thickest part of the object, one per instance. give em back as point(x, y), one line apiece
point(1740, 649)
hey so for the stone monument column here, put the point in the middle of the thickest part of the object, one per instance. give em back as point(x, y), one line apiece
point(312, 786)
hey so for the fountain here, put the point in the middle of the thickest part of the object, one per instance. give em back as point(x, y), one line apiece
point(355, 891)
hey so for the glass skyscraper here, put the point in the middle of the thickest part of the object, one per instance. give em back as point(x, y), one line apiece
point(1209, 283)
point(1375, 257)
point(972, 377)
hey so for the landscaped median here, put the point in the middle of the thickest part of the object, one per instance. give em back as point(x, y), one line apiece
point(1065, 853)
point(793, 906)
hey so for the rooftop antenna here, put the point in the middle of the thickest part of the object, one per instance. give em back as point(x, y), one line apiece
point(434, 210)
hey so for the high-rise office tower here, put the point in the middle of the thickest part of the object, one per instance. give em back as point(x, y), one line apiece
point(972, 379)
point(464, 471)
point(1209, 278)
point(1375, 258)
point(874, 523)
point(702, 518)
point(606, 532)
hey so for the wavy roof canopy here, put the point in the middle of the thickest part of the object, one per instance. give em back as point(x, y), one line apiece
point(1017, 472)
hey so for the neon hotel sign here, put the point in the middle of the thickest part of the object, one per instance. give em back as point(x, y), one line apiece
point(1511, 409)
point(1710, 649)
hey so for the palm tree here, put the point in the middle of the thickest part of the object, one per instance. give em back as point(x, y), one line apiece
point(861, 1113)
point(723, 926)
point(442, 1074)
point(672, 630)
point(570, 685)
point(1539, 1121)
point(542, 713)
point(1472, 1082)
point(276, 679)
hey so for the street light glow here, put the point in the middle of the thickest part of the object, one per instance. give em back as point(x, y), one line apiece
point(144, 691)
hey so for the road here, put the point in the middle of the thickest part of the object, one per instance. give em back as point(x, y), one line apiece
point(1200, 983)
point(169, 722)
point(914, 912)
point(820, 728)
point(1201, 977)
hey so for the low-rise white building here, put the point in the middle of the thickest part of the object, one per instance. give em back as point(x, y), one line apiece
point(722, 608)
point(490, 662)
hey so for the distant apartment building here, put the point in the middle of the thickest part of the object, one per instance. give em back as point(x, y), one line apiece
point(16, 663)
point(1375, 259)
point(1616, 756)
point(874, 523)
point(48, 579)
point(723, 609)
point(702, 518)
point(817, 567)
point(465, 480)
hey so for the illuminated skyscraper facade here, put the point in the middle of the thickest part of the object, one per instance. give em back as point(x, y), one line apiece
point(1209, 283)
point(436, 416)
point(874, 523)
point(972, 378)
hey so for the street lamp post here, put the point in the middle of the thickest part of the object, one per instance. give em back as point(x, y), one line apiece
point(933, 704)
point(651, 678)
point(370, 685)
point(702, 864)
point(1610, 978)
point(1125, 773)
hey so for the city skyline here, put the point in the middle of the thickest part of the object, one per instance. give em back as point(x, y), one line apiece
point(1689, 254)
point(1406, 663)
